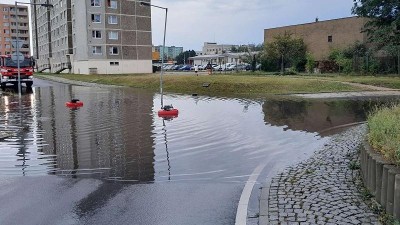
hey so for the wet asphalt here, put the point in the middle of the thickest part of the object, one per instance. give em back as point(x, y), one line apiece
point(53, 200)
point(49, 200)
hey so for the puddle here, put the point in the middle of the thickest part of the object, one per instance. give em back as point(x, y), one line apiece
point(118, 136)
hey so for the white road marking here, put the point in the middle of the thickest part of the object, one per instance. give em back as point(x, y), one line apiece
point(241, 213)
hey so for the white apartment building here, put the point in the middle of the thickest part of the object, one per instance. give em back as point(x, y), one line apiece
point(93, 36)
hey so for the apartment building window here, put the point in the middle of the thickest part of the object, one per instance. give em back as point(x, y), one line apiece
point(6, 24)
point(8, 46)
point(96, 34)
point(113, 4)
point(5, 17)
point(96, 50)
point(95, 3)
point(113, 50)
point(5, 9)
point(113, 35)
point(330, 38)
point(112, 19)
point(6, 31)
point(114, 63)
point(96, 18)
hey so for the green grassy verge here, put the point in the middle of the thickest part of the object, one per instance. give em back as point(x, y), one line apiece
point(220, 84)
point(384, 132)
point(388, 81)
point(381, 81)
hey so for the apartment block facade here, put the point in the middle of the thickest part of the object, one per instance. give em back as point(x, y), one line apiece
point(93, 36)
point(169, 52)
point(323, 36)
point(8, 29)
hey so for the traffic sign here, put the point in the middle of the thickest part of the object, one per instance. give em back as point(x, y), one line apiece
point(14, 43)
point(17, 57)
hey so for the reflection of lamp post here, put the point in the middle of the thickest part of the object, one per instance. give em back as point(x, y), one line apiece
point(162, 58)
point(17, 41)
point(166, 149)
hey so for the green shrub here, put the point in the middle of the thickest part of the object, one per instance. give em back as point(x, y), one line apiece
point(384, 132)
point(310, 65)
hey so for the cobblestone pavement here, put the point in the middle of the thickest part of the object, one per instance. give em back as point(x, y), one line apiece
point(322, 189)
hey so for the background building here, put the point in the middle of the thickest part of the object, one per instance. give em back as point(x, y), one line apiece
point(212, 48)
point(8, 27)
point(93, 36)
point(170, 52)
point(323, 36)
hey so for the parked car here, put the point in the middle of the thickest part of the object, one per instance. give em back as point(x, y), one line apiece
point(226, 66)
point(231, 67)
point(168, 67)
point(185, 67)
point(177, 67)
point(202, 67)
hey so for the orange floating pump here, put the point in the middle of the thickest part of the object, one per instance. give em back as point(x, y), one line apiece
point(74, 103)
point(168, 111)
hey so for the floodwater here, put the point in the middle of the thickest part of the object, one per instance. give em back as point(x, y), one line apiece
point(118, 136)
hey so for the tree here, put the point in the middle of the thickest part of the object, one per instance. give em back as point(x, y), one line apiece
point(383, 26)
point(234, 49)
point(351, 59)
point(310, 65)
point(289, 51)
point(182, 58)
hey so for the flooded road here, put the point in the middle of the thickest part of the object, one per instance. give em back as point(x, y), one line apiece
point(114, 161)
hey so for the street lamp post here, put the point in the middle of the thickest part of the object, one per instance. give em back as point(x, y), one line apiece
point(17, 41)
point(162, 58)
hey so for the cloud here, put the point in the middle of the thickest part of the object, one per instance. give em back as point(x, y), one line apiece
point(192, 22)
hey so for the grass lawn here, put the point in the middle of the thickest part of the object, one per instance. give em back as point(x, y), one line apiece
point(220, 84)
point(379, 81)
point(388, 81)
point(384, 132)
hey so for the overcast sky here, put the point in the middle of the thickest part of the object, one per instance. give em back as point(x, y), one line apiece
point(193, 22)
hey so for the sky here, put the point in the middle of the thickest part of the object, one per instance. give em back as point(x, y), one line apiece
point(193, 22)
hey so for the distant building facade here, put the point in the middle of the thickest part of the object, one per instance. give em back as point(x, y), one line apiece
point(212, 48)
point(93, 36)
point(169, 52)
point(323, 36)
point(8, 32)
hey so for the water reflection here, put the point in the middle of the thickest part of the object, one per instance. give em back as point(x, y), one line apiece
point(118, 136)
point(110, 136)
point(319, 116)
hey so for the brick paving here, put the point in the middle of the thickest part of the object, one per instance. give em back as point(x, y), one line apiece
point(322, 189)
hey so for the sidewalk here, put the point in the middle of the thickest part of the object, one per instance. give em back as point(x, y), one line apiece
point(322, 189)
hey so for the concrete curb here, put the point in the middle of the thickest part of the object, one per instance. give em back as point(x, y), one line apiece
point(382, 179)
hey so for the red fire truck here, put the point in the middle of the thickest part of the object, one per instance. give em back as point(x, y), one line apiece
point(9, 71)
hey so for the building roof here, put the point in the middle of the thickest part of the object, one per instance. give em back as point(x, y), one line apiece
point(344, 18)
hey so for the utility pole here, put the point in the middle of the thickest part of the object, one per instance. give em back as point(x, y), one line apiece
point(36, 36)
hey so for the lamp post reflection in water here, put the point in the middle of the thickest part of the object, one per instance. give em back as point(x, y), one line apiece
point(166, 146)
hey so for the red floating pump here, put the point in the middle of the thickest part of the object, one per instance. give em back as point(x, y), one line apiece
point(74, 103)
point(168, 111)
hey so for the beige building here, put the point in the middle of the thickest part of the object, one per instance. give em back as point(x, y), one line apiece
point(93, 36)
point(8, 28)
point(323, 36)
